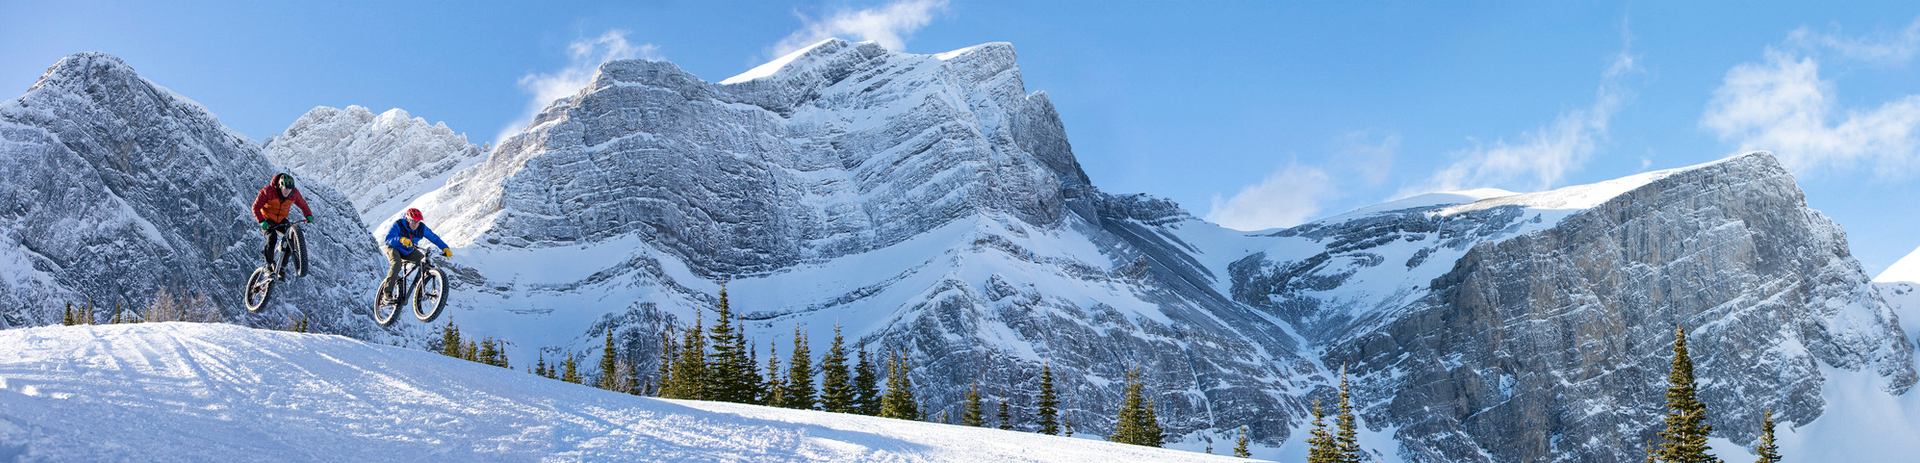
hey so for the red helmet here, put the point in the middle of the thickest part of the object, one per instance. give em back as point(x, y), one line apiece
point(415, 214)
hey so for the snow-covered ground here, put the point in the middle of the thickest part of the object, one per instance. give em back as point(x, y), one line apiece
point(210, 392)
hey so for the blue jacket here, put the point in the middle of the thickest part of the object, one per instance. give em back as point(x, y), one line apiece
point(400, 229)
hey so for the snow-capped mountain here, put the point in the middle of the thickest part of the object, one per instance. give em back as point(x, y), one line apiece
point(1534, 327)
point(116, 189)
point(929, 204)
point(226, 393)
point(382, 161)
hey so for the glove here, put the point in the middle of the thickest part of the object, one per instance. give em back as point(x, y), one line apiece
point(264, 226)
point(309, 219)
point(406, 242)
point(446, 252)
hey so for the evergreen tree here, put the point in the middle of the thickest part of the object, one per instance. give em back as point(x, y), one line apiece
point(1321, 447)
point(756, 385)
point(898, 401)
point(727, 366)
point(568, 371)
point(800, 392)
point(540, 366)
point(1240, 445)
point(666, 364)
point(688, 380)
point(450, 341)
point(971, 415)
point(866, 386)
point(471, 352)
point(1049, 403)
point(633, 383)
point(487, 351)
point(1136, 424)
point(66, 317)
point(609, 365)
point(775, 395)
point(1006, 418)
point(836, 389)
point(1766, 449)
point(1066, 424)
point(1685, 438)
point(1347, 439)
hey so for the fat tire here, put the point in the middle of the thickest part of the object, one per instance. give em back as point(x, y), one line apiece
point(246, 292)
point(430, 279)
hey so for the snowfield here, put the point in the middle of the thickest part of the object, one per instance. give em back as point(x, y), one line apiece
point(212, 392)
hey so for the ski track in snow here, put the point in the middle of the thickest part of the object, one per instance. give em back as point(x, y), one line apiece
point(211, 392)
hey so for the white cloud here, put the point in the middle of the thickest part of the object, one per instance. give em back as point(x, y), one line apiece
point(584, 58)
point(1368, 154)
point(1287, 197)
point(1781, 104)
point(1544, 155)
point(1891, 49)
point(888, 25)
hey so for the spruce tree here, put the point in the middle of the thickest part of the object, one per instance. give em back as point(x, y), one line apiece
point(1049, 403)
point(775, 395)
point(800, 393)
point(568, 371)
point(540, 366)
point(897, 401)
point(609, 365)
point(1685, 438)
point(1321, 447)
point(633, 384)
point(450, 341)
point(1768, 451)
point(1066, 424)
point(866, 386)
point(66, 317)
point(1006, 418)
point(662, 377)
point(727, 366)
point(1240, 445)
point(970, 414)
point(1136, 424)
point(688, 380)
point(1347, 439)
point(836, 388)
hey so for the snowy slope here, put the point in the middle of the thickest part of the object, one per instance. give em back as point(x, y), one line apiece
point(205, 392)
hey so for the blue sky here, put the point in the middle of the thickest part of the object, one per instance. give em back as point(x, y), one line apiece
point(1255, 114)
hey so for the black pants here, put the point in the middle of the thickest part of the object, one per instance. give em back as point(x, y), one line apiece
point(274, 231)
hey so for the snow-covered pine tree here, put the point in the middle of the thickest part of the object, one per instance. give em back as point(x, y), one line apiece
point(897, 401)
point(1049, 403)
point(866, 386)
point(569, 371)
point(970, 413)
point(1240, 445)
point(1005, 416)
point(1321, 447)
point(1347, 439)
point(1768, 451)
point(800, 392)
point(609, 365)
point(836, 388)
point(1135, 423)
point(1685, 438)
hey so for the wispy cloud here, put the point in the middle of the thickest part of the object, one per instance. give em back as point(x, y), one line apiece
point(1782, 104)
point(888, 25)
point(584, 57)
point(1288, 196)
point(1369, 154)
point(1543, 156)
point(1888, 48)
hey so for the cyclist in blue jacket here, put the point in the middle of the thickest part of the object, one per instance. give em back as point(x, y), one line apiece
point(402, 240)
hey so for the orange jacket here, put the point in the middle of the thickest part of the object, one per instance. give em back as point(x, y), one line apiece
point(269, 205)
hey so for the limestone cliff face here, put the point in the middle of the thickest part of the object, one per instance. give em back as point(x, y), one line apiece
point(1553, 345)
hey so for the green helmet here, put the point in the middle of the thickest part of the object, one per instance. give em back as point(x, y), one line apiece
point(286, 180)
